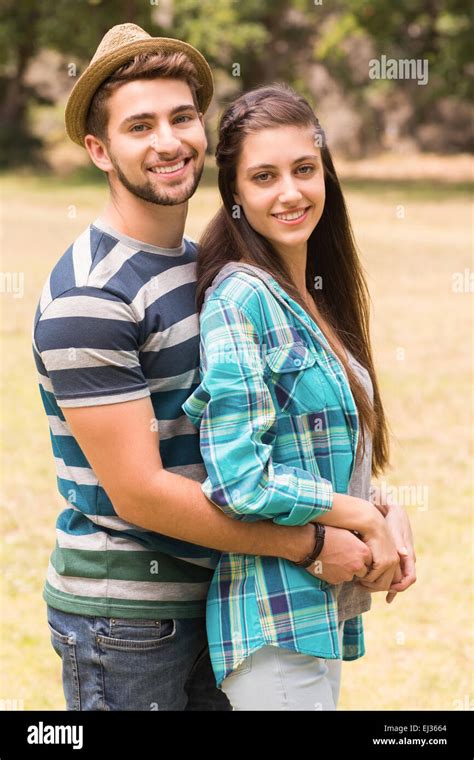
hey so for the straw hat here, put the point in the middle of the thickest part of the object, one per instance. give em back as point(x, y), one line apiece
point(122, 43)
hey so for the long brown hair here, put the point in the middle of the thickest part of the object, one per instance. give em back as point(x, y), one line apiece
point(331, 252)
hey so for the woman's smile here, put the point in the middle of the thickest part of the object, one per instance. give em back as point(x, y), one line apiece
point(292, 217)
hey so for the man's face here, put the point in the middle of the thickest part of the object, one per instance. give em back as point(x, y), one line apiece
point(155, 140)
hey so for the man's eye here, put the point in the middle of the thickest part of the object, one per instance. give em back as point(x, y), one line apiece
point(139, 128)
point(184, 116)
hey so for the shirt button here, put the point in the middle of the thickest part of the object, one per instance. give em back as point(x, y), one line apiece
point(297, 362)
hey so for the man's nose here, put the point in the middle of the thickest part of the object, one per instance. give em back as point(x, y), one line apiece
point(164, 141)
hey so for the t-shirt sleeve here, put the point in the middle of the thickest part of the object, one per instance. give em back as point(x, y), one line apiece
point(86, 344)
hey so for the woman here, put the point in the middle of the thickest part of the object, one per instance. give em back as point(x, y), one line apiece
point(290, 416)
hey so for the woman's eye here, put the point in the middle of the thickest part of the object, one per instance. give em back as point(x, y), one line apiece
point(307, 167)
point(262, 177)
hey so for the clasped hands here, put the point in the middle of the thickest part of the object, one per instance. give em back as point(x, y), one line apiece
point(346, 556)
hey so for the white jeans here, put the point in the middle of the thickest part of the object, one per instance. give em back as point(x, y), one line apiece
point(275, 678)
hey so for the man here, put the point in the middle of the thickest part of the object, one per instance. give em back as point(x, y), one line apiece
point(116, 342)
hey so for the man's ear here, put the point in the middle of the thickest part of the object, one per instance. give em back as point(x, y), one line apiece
point(98, 153)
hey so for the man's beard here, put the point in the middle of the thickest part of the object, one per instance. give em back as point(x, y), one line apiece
point(148, 193)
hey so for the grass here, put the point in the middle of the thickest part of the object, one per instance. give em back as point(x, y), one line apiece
point(413, 237)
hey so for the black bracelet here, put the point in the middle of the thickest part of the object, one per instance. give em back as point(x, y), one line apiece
point(320, 531)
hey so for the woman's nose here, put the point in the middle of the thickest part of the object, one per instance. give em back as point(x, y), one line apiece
point(289, 193)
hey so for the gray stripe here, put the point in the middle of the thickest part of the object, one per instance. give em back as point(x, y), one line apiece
point(45, 382)
point(110, 265)
point(97, 542)
point(80, 358)
point(82, 476)
point(58, 427)
point(175, 382)
point(191, 471)
point(45, 295)
point(114, 523)
point(161, 285)
point(133, 590)
point(170, 428)
point(104, 542)
point(82, 258)
point(177, 333)
point(88, 306)
point(116, 398)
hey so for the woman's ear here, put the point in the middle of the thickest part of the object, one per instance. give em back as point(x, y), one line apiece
point(237, 198)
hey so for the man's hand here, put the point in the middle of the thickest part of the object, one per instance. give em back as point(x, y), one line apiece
point(343, 556)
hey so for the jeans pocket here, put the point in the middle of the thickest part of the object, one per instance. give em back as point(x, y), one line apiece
point(126, 634)
point(64, 644)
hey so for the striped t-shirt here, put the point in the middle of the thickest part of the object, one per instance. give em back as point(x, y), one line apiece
point(117, 321)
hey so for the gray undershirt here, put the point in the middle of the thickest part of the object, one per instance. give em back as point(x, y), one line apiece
point(352, 600)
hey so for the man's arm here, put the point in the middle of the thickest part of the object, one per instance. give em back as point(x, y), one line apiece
point(122, 447)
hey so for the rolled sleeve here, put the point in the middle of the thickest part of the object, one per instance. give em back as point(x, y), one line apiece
point(234, 410)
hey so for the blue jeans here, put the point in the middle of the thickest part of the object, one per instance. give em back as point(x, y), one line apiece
point(123, 664)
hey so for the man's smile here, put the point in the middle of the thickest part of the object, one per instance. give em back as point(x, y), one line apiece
point(170, 169)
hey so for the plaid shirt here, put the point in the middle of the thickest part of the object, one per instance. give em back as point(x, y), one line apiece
point(278, 432)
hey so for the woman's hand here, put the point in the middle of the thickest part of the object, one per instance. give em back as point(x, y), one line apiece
point(398, 523)
point(400, 528)
point(385, 557)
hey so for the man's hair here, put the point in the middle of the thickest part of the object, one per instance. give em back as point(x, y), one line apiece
point(143, 66)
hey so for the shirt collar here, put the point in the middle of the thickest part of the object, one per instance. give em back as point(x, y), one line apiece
point(278, 292)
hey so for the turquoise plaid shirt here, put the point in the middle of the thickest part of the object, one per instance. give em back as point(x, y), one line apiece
point(278, 433)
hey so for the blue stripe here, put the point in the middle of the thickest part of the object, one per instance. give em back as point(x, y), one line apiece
point(62, 277)
point(167, 404)
point(50, 404)
point(171, 361)
point(170, 308)
point(86, 332)
point(101, 245)
point(92, 500)
point(96, 381)
point(65, 447)
point(140, 268)
point(180, 450)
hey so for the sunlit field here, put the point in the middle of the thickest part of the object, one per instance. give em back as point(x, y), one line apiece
point(413, 238)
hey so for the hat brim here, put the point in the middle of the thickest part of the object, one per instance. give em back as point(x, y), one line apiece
point(96, 73)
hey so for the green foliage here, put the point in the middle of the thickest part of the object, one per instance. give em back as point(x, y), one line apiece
point(440, 32)
point(269, 39)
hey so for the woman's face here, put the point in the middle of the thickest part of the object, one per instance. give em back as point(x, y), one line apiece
point(280, 185)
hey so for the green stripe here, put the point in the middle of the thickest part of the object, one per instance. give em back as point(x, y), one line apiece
point(127, 566)
point(102, 607)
